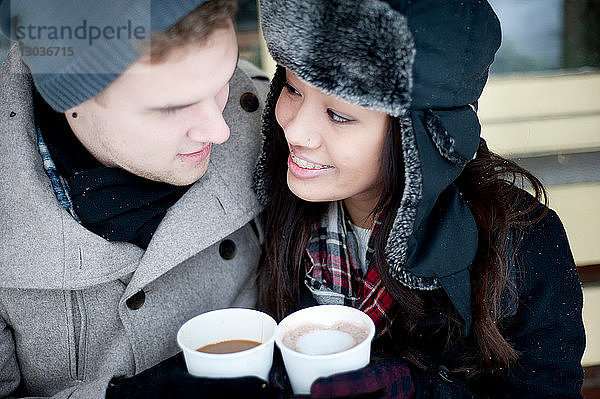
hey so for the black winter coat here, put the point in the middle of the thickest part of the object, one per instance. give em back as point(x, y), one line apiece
point(544, 325)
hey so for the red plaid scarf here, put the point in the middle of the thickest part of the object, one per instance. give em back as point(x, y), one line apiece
point(334, 277)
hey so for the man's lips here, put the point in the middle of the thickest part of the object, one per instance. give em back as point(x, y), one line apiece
point(197, 156)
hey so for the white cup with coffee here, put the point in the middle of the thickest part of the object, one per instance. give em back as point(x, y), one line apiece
point(323, 340)
point(228, 343)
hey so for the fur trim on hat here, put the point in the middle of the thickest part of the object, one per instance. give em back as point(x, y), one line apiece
point(444, 142)
point(404, 223)
point(371, 66)
point(263, 175)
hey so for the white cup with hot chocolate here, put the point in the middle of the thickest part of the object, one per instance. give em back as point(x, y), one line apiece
point(323, 340)
point(228, 343)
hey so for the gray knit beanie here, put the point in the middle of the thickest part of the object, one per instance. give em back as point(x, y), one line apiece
point(76, 48)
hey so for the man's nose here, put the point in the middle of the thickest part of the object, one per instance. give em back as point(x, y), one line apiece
point(209, 126)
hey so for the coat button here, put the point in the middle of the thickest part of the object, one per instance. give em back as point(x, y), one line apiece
point(136, 301)
point(227, 249)
point(249, 102)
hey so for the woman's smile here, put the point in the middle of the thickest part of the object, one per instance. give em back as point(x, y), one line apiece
point(305, 164)
point(302, 169)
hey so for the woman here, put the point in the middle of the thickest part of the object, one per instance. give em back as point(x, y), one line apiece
point(382, 196)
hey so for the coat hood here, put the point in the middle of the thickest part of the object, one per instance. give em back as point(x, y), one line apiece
point(424, 62)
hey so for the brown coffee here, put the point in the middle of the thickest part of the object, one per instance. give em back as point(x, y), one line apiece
point(231, 346)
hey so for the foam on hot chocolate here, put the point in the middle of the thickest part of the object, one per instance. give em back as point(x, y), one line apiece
point(318, 339)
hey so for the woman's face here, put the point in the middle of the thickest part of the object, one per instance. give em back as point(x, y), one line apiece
point(335, 147)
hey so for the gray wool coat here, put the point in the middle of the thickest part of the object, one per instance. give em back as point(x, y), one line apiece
point(65, 325)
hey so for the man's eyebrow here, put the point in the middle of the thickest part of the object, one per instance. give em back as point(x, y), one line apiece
point(176, 107)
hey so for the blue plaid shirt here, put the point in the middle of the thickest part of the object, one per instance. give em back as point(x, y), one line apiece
point(59, 185)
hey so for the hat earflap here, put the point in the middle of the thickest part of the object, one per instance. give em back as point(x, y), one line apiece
point(404, 223)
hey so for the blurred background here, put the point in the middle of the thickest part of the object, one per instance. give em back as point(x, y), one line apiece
point(541, 107)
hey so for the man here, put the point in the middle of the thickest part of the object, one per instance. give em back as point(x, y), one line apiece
point(126, 205)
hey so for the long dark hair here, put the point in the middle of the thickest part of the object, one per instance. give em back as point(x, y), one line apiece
point(492, 188)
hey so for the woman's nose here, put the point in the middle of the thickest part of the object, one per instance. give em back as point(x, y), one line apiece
point(299, 128)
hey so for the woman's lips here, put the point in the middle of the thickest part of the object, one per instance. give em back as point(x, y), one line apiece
point(303, 169)
point(196, 157)
point(304, 164)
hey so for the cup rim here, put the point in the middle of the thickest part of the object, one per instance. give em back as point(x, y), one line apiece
point(232, 355)
point(357, 347)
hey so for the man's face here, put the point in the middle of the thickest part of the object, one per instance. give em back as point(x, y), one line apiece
point(159, 120)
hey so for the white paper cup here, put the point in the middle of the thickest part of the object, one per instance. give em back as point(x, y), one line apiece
point(223, 325)
point(304, 369)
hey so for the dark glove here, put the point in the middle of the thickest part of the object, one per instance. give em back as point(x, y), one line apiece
point(386, 379)
point(170, 379)
point(278, 378)
point(437, 382)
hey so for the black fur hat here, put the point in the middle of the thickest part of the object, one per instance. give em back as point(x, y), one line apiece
point(426, 63)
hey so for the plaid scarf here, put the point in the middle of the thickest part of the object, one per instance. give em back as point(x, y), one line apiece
point(333, 276)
